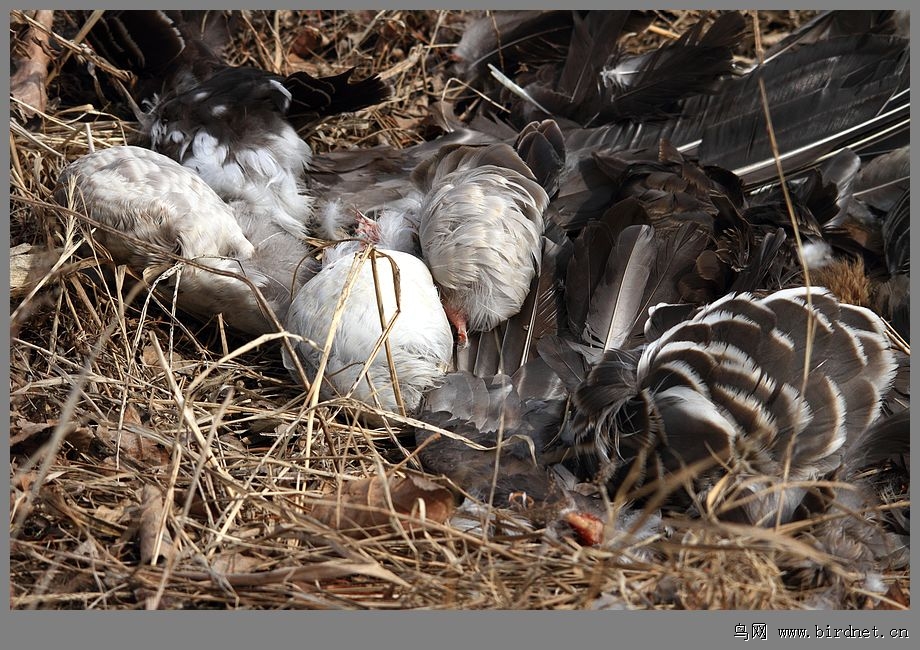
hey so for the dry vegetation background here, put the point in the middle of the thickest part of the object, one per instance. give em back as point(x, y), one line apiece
point(158, 462)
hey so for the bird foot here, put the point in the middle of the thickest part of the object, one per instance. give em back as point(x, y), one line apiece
point(458, 320)
point(367, 229)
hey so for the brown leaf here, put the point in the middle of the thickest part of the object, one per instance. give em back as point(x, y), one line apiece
point(197, 508)
point(87, 549)
point(33, 434)
point(154, 545)
point(407, 123)
point(131, 415)
point(28, 429)
point(28, 83)
point(111, 515)
point(131, 442)
point(438, 500)
point(29, 265)
point(363, 504)
point(179, 364)
point(81, 438)
point(307, 42)
point(228, 563)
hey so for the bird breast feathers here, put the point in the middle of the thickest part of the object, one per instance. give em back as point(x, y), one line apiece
point(467, 231)
point(141, 193)
point(420, 317)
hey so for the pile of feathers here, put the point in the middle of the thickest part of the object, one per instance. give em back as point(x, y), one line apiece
point(666, 281)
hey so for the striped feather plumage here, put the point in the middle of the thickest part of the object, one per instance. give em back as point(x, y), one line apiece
point(731, 385)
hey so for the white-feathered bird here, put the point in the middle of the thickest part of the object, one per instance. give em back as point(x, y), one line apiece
point(475, 205)
point(151, 210)
point(357, 365)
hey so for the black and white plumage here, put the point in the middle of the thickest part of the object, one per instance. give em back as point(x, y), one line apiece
point(741, 384)
point(232, 131)
point(163, 49)
point(151, 210)
point(357, 363)
point(235, 129)
point(235, 126)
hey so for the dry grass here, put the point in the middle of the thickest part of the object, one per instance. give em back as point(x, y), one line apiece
point(157, 462)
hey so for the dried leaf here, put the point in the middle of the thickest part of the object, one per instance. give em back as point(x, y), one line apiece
point(81, 438)
point(307, 42)
point(28, 83)
point(87, 549)
point(28, 429)
point(131, 415)
point(30, 264)
point(438, 500)
point(131, 442)
point(179, 364)
point(198, 508)
point(111, 515)
point(363, 504)
point(236, 563)
point(154, 545)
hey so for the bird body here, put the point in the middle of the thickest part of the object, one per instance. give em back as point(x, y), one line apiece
point(147, 196)
point(232, 131)
point(480, 223)
point(235, 126)
point(419, 336)
point(745, 385)
point(152, 210)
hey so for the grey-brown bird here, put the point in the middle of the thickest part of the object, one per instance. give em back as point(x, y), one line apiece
point(237, 127)
point(152, 210)
point(480, 222)
point(474, 205)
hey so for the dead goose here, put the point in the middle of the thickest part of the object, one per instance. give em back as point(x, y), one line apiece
point(357, 364)
point(480, 223)
point(152, 209)
point(734, 386)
